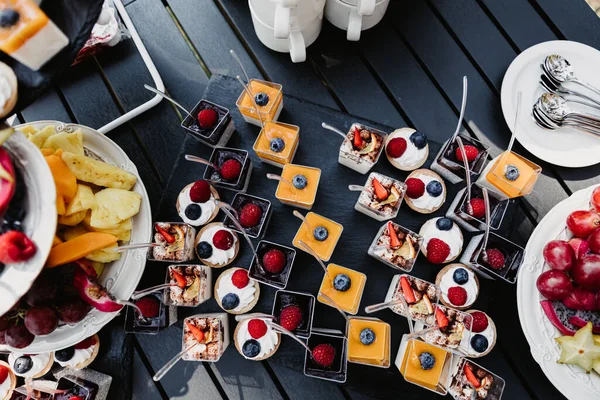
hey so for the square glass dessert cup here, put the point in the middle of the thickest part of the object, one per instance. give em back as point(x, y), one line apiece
point(457, 211)
point(75, 387)
point(455, 333)
point(450, 168)
point(182, 250)
point(218, 135)
point(290, 134)
point(198, 285)
point(166, 317)
point(496, 175)
point(239, 201)
point(369, 204)
point(258, 273)
point(512, 252)
point(349, 300)
point(403, 258)
point(423, 301)
point(338, 370)
point(268, 112)
point(302, 198)
point(376, 353)
point(215, 327)
point(361, 163)
point(323, 248)
point(306, 303)
point(463, 384)
point(218, 157)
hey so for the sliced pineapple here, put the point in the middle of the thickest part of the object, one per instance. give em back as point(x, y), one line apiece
point(71, 142)
point(392, 198)
point(99, 173)
point(74, 231)
point(371, 146)
point(192, 291)
point(28, 130)
point(98, 267)
point(104, 255)
point(40, 137)
point(407, 251)
point(115, 230)
point(114, 206)
point(73, 219)
point(84, 200)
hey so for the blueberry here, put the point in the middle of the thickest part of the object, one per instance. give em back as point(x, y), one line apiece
point(230, 301)
point(418, 139)
point(342, 282)
point(204, 250)
point(320, 233)
point(261, 99)
point(8, 17)
point(299, 181)
point(193, 212)
point(23, 364)
point(367, 336)
point(277, 145)
point(251, 348)
point(434, 188)
point(479, 343)
point(64, 354)
point(460, 276)
point(511, 172)
point(427, 360)
point(444, 224)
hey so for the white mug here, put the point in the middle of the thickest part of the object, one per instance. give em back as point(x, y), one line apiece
point(279, 13)
point(353, 15)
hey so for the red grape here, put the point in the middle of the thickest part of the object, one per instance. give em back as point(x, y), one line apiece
point(3, 337)
point(594, 241)
point(554, 284)
point(73, 310)
point(559, 255)
point(18, 336)
point(583, 222)
point(41, 320)
point(3, 323)
point(43, 291)
point(586, 272)
point(595, 199)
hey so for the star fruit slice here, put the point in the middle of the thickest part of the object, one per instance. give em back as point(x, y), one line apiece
point(579, 349)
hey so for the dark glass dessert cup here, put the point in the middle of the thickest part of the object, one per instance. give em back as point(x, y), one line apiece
point(337, 372)
point(239, 201)
point(218, 135)
point(82, 388)
point(306, 303)
point(258, 273)
point(151, 326)
point(450, 168)
point(218, 157)
point(457, 211)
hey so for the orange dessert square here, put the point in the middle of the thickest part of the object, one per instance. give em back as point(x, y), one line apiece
point(348, 300)
point(368, 341)
point(277, 143)
point(323, 247)
point(302, 197)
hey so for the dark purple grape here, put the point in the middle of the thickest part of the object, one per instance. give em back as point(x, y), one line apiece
point(3, 337)
point(18, 336)
point(43, 291)
point(41, 320)
point(4, 323)
point(73, 310)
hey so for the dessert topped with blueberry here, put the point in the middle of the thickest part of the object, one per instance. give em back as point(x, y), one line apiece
point(420, 296)
point(212, 123)
point(274, 264)
point(424, 364)
point(344, 286)
point(459, 286)
point(235, 292)
point(363, 143)
point(277, 143)
point(197, 203)
point(256, 339)
point(80, 355)
point(216, 245)
point(474, 382)
point(320, 234)
point(442, 240)
point(233, 168)
point(425, 191)
point(452, 327)
point(267, 98)
point(396, 246)
point(368, 341)
point(254, 214)
point(30, 365)
point(190, 285)
point(208, 332)
point(176, 242)
point(382, 195)
point(483, 335)
point(294, 311)
point(299, 186)
point(407, 149)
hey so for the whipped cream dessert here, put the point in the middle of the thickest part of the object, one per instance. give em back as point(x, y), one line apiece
point(182, 249)
point(39, 362)
point(385, 209)
point(218, 256)
point(246, 295)
point(470, 287)
point(453, 237)
point(215, 330)
point(267, 342)
point(413, 156)
point(6, 386)
point(489, 334)
point(427, 201)
point(363, 158)
point(79, 356)
point(207, 208)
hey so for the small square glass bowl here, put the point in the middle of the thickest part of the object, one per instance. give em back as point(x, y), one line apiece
point(217, 136)
point(417, 310)
point(134, 324)
point(395, 258)
point(447, 165)
point(76, 387)
point(258, 273)
point(375, 354)
point(446, 336)
point(212, 348)
point(181, 254)
point(218, 157)
point(306, 303)
point(269, 112)
point(325, 248)
point(458, 382)
point(368, 203)
point(457, 211)
point(339, 369)
point(199, 289)
point(290, 134)
point(361, 163)
point(302, 198)
point(239, 201)
point(494, 178)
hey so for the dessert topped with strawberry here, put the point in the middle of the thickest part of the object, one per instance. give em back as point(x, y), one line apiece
point(442, 240)
point(8, 381)
point(425, 191)
point(294, 311)
point(483, 335)
point(396, 246)
point(254, 214)
point(212, 124)
point(80, 355)
point(197, 203)
point(233, 168)
point(459, 286)
point(452, 327)
point(362, 148)
point(176, 242)
point(216, 245)
point(474, 382)
point(235, 292)
point(381, 197)
point(209, 332)
point(407, 149)
point(273, 265)
point(190, 285)
point(420, 296)
point(256, 339)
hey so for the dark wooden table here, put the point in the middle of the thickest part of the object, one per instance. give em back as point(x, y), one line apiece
point(404, 72)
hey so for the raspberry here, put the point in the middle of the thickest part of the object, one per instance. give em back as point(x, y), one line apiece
point(324, 354)
point(457, 295)
point(257, 328)
point(396, 147)
point(437, 251)
point(480, 322)
point(240, 278)
point(250, 215)
point(414, 188)
point(207, 118)
point(223, 240)
point(274, 261)
point(3, 374)
point(471, 152)
point(149, 305)
point(89, 342)
point(15, 247)
point(478, 207)
point(290, 317)
point(230, 170)
point(200, 192)
point(495, 258)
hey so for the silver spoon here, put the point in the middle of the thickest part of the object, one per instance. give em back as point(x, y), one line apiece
point(557, 88)
point(557, 109)
point(561, 70)
point(166, 97)
point(544, 121)
point(486, 200)
point(461, 146)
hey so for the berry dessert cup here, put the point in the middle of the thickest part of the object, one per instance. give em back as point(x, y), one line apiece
point(176, 241)
point(459, 286)
point(362, 148)
point(396, 246)
point(449, 161)
point(30, 366)
point(470, 381)
point(425, 191)
point(80, 355)
point(406, 149)
point(235, 168)
point(277, 143)
point(381, 197)
point(197, 203)
point(191, 285)
point(369, 341)
point(328, 358)
point(320, 233)
point(421, 297)
point(274, 264)
point(268, 97)
point(157, 315)
point(212, 333)
point(9, 383)
point(300, 186)
point(475, 221)
point(483, 335)
point(76, 388)
point(442, 240)
point(255, 339)
point(254, 213)
point(344, 286)
point(294, 311)
point(217, 246)
point(212, 126)
point(510, 175)
point(453, 329)
point(235, 292)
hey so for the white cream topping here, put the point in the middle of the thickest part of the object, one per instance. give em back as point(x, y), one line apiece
point(40, 361)
point(470, 287)
point(218, 256)
point(5, 387)
point(246, 294)
point(207, 208)
point(453, 237)
point(6, 90)
point(427, 201)
point(488, 333)
point(267, 342)
point(412, 156)
point(79, 356)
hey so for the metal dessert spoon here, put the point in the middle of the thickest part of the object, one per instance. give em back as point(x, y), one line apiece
point(560, 70)
point(557, 88)
point(556, 109)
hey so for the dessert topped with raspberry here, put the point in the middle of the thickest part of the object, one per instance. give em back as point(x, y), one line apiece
point(197, 203)
point(8, 380)
point(157, 314)
point(176, 242)
point(191, 285)
point(459, 285)
point(420, 296)
point(233, 168)
point(256, 339)
point(362, 148)
point(209, 332)
point(396, 246)
point(470, 215)
point(442, 240)
point(328, 358)
point(449, 161)
point(235, 292)
point(425, 191)
point(483, 335)
point(501, 257)
point(274, 264)
point(472, 381)
point(209, 123)
point(382, 197)
point(294, 311)
point(254, 214)
point(216, 245)
point(407, 149)
point(452, 327)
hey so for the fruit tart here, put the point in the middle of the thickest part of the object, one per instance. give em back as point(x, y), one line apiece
point(197, 203)
point(255, 339)
point(425, 191)
point(459, 286)
point(217, 246)
point(442, 240)
point(80, 355)
point(406, 149)
point(31, 365)
point(235, 292)
point(8, 381)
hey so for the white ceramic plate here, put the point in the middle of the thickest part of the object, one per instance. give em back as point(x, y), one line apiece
point(572, 381)
point(566, 147)
point(120, 277)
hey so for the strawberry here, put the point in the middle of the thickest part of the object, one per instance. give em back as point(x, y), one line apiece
point(223, 240)
point(257, 328)
point(3, 374)
point(181, 282)
point(396, 147)
point(230, 170)
point(478, 206)
point(196, 332)
point(86, 343)
point(441, 318)
point(166, 235)
point(290, 317)
point(358, 142)
point(394, 241)
point(15, 247)
point(407, 291)
point(437, 251)
point(380, 192)
point(471, 378)
point(495, 258)
point(457, 295)
point(470, 151)
point(240, 278)
point(324, 354)
point(200, 192)
point(250, 215)
point(480, 322)
point(274, 261)
point(414, 188)
point(207, 118)
point(149, 306)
